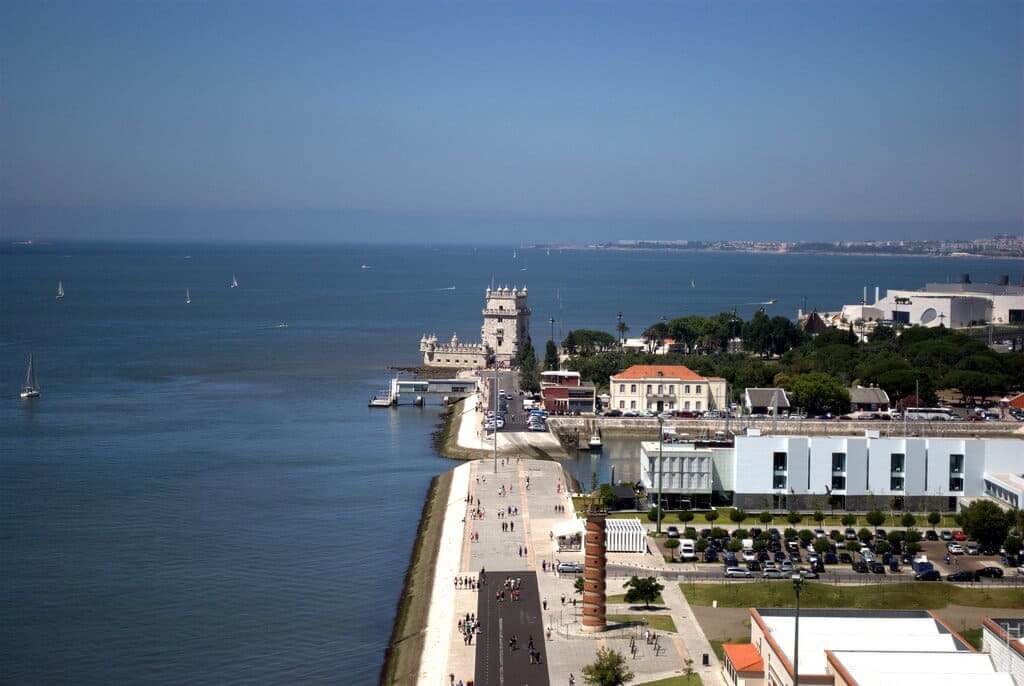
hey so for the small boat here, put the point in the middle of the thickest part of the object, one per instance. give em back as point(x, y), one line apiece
point(60, 290)
point(693, 284)
point(188, 297)
point(595, 441)
point(514, 255)
point(365, 266)
point(234, 281)
point(382, 399)
point(31, 387)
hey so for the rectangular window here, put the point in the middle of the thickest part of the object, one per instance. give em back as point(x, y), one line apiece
point(622, 388)
point(779, 462)
point(838, 483)
point(897, 461)
point(779, 481)
point(632, 388)
point(661, 389)
point(696, 405)
point(956, 484)
point(622, 404)
point(672, 389)
point(632, 404)
point(838, 462)
point(956, 464)
point(686, 405)
point(896, 483)
point(649, 388)
point(696, 389)
point(686, 389)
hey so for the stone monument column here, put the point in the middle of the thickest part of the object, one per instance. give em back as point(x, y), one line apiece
point(594, 609)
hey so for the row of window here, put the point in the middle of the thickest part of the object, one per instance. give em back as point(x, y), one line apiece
point(670, 406)
point(897, 466)
point(661, 388)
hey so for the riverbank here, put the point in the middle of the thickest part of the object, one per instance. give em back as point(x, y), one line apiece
point(460, 438)
point(408, 634)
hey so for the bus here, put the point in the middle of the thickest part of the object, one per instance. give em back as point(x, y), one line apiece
point(930, 414)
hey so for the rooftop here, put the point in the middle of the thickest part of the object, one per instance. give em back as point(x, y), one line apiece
point(744, 657)
point(862, 395)
point(909, 668)
point(659, 371)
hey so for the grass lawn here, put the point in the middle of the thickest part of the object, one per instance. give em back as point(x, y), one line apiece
point(658, 600)
point(717, 646)
point(656, 622)
point(921, 595)
point(692, 680)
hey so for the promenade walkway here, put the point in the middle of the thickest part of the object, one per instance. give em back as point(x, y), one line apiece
point(532, 497)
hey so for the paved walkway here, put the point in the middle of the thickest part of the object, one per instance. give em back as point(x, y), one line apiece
point(527, 493)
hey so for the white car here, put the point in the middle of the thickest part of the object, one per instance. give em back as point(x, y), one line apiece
point(738, 573)
point(749, 555)
point(955, 549)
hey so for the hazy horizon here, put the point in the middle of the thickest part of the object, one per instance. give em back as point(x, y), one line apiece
point(569, 122)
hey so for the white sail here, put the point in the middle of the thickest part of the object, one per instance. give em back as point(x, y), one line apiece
point(188, 297)
point(60, 290)
point(234, 281)
point(31, 388)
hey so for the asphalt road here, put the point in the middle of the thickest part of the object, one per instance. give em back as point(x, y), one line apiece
point(837, 574)
point(496, 663)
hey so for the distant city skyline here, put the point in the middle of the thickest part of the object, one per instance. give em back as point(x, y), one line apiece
point(511, 122)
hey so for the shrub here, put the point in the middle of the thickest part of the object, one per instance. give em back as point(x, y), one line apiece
point(849, 520)
point(765, 517)
point(934, 518)
point(711, 515)
point(908, 520)
point(794, 518)
point(652, 514)
point(865, 535)
point(875, 518)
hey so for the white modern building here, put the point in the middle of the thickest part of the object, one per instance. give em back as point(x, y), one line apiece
point(856, 648)
point(666, 388)
point(1002, 639)
point(839, 472)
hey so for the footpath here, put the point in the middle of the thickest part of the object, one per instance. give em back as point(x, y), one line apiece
point(532, 496)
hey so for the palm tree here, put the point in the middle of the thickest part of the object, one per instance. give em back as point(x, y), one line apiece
point(622, 328)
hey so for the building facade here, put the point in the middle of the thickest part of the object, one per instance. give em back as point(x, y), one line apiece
point(842, 472)
point(506, 325)
point(666, 388)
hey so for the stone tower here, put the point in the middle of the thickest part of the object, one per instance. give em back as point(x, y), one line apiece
point(506, 323)
point(594, 562)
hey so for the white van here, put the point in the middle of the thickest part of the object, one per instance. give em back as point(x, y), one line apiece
point(687, 549)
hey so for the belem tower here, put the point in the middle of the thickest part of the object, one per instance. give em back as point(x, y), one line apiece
point(506, 325)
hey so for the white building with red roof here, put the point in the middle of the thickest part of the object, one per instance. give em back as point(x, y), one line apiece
point(666, 388)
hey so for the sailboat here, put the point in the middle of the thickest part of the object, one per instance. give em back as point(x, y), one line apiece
point(31, 388)
point(514, 255)
point(693, 284)
point(188, 297)
point(234, 281)
point(60, 290)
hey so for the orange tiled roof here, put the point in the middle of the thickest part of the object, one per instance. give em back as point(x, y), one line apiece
point(744, 657)
point(654, 371)
point(1017, 401)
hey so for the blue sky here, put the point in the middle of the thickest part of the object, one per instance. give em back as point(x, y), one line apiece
point(569, 121)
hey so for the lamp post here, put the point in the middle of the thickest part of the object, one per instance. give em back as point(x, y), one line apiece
point(797, 583)
point(661, 442)
point(494, 392)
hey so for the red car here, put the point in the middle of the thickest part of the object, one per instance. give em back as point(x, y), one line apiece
point(959, 536)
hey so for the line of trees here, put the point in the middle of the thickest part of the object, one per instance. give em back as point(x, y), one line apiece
point(817, 371)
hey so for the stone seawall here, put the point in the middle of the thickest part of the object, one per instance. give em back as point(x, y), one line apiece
point(647, 427)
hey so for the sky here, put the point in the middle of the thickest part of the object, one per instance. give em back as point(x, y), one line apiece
point(560, 121)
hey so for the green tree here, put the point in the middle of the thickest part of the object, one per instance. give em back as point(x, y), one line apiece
point(671, 544)
point(864, 534)
point(819, 517)
point(849, 520)
point(822, 546)
point(642, 590)
point(985, 522)
point(794, 517)
point(685, 516)
point(908, 520)
point(606, 494)
point(765, 517)
point(711, 515)
point(529, 374)
point(702, 545)
point(806, 535)
point(852, 546)
point(622, 327)
point(652, 514)
point(875, 518)
point(912, 547)
point(578, 585)
point(550, 357)
point(1013, 545)
point(608, 669)
point(738, 515)
point(934, 518)
point(819, 393)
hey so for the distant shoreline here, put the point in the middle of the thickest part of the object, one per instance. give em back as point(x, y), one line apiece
point(829, 253)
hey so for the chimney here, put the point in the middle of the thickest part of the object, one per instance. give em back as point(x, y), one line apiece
point(876, 294)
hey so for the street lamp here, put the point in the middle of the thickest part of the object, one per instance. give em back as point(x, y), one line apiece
point(494, 391)
point(797, 583)
point(661, 442)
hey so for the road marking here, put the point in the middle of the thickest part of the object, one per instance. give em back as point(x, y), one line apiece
point(501, 652)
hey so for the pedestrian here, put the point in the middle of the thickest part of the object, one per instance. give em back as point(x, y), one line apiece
point(544, 602)
point(563, 599)
point(572, 679)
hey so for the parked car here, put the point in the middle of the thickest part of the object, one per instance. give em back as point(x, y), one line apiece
point(710, 555)
point(845, 558)
point(773, 574)
point(931, 535)
point(991, 571)
point(959, 536)
point(973, 548)
point(850, 534)
point(831, 559)
point(738, 573)
point(672, 532)
point(754, 566)
point(570, 567)
point(928, 575)
point(613, 413)
point(955, 549)
point(946, 535)
point(876, 567)
point(807, 573)
point(860, 566)
point(963, 575)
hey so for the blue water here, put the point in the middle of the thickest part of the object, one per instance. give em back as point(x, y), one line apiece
point(202, 496)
